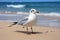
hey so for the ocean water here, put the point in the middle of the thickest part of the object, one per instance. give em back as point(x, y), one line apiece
point(49, 12)
point(26, 6)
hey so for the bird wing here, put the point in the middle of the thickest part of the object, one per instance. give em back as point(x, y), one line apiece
point(21, 22)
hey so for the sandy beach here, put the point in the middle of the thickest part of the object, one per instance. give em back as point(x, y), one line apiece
point(16, 32)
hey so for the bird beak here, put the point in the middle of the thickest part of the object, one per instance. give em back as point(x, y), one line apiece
point(37, 12)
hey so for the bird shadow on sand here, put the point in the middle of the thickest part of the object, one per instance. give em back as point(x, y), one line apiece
point(25, 32)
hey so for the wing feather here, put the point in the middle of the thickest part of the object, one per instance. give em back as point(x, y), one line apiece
point(21, 22)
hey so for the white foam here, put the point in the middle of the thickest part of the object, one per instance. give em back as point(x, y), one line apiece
point(44, 14)
point(50, 14)
point(23, 13)
point(8, 15)
point(16, 6)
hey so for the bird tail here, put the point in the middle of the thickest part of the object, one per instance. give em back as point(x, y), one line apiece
point(14, 23)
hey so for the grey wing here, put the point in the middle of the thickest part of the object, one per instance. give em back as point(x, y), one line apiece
point(21, 22)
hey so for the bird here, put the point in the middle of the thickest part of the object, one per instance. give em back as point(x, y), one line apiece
point(28, 21)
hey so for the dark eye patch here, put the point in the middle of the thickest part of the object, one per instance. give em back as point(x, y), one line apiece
point(32, 11)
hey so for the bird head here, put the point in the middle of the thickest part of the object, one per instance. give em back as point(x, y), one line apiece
point(34, 11)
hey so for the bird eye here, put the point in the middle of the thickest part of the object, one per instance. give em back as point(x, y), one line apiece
point(32, 11)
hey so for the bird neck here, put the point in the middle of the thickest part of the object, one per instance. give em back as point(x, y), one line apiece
point(32, 14)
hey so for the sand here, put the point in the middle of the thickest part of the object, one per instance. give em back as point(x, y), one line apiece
point(17, 32)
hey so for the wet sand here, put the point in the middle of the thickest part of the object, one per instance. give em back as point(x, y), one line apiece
point(17, 32)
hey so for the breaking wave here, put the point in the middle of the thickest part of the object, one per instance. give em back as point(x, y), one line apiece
point(44, 14)
point(16, 6)
point(50, 14)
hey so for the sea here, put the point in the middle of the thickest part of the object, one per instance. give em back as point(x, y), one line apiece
point(49, 12)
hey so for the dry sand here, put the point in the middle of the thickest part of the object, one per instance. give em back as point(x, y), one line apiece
point(18, 33)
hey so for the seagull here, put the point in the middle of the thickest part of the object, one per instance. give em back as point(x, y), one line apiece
point(28, 21)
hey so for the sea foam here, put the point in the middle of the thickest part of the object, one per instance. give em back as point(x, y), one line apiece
point(15, 6)
point(44, 14)
point(50, 14)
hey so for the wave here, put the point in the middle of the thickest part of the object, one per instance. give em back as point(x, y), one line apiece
point(26, 13)
point(8, 15)
point(44, 14)
point(50, 14)
point(16, 6)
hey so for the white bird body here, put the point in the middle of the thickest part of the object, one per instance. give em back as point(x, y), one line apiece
point(31, 20)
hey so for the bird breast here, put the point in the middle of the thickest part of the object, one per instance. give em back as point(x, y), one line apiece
point(32, 20)
point(32, 17)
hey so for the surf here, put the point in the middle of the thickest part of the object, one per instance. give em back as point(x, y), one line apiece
point(15, 6)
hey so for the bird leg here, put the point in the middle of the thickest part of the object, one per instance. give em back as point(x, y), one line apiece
point(31, 29)
point(23, 26)
point(27, 29)
point(14, 23)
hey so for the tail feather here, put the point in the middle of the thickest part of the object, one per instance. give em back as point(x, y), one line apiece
point(14, 23)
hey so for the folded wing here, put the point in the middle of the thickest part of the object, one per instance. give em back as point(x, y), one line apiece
point(21, 22)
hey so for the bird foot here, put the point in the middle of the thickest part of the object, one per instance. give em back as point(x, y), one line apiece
point(23, 27)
